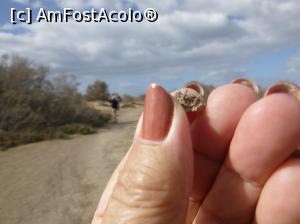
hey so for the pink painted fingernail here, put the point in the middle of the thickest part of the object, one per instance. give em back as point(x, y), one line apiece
point(158, 113)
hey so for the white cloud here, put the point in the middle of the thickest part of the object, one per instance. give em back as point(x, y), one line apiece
point(21, 1)
point(37, 4)
point(33, 3)
point(190, 36)
point(81, 4)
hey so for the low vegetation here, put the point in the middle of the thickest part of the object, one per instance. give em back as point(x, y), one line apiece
point(35, 108)
point(97, 91)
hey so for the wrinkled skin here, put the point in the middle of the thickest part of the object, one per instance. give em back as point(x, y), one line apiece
point(234, 162)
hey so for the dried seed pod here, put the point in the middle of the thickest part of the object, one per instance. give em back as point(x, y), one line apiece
point(190, 99)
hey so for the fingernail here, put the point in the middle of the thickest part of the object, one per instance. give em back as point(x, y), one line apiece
point(248, 83)
point(284, 87)
point(196, 86)
point(158, 113)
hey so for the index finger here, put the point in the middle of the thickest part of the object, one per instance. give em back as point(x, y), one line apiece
point(212, 131)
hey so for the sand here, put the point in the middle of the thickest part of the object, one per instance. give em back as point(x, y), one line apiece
point(61, 181)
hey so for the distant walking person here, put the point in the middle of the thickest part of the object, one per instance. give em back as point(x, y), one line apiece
point(115, 104)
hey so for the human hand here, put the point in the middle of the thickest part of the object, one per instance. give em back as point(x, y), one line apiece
point(232, 163)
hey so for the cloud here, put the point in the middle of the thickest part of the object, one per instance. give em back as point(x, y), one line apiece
point(210, 38)
point(21, 1)
point(293, 65)
point(37, 4)
point(82, 4)
point(33, 3)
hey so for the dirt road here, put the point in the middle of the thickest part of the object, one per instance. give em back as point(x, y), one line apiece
point(60, 181)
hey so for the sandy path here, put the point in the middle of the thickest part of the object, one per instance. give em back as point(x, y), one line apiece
point(60, 182)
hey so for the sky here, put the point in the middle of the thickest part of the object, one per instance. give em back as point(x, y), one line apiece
point(211, 41)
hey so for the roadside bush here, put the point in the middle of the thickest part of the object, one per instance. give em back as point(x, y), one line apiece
point(72, 129)
point(11, 139)
point(86, 115)
point(97, 91)
point(128, 105)
point(34, 108)
point(128, 99)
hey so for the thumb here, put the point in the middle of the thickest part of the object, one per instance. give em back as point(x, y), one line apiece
point(154, 182)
